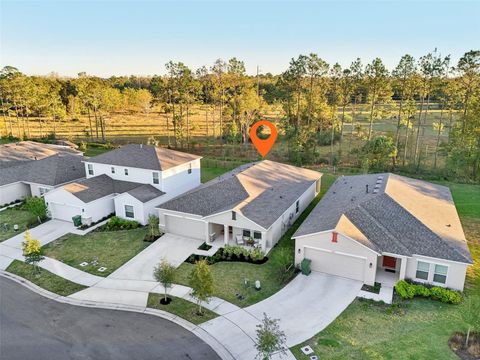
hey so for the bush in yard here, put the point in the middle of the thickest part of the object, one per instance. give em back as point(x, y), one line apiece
point(164, 273)
point(470, 313)
point(116, 223)
point(37, 206)
point(407, 291)
point(201, 282)
point(32, 251)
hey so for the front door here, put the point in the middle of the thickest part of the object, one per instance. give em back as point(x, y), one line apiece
point(389, 262)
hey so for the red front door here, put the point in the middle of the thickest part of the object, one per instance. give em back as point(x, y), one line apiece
point(389, 262)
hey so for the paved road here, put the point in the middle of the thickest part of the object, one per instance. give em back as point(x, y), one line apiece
point(33, 327)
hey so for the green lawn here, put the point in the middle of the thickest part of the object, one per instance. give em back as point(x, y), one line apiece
point(183, 308)
point(111, 249)
point(209, 173)
point(421, 329)
point(15, 216)
point(45, 279)
point(229, 276)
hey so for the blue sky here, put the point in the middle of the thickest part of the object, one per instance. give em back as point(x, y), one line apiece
point(134, 37)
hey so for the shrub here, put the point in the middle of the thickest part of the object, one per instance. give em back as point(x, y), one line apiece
point(407, 291)
point(116, 223)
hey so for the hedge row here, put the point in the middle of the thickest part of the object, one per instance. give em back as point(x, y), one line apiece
point(407, 291)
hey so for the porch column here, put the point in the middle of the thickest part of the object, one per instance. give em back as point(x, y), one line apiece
point(225, 234)
point(264, 242)
point(403, 268)
point(207, 233)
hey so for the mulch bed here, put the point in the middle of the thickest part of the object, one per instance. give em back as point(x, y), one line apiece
point(457, 344)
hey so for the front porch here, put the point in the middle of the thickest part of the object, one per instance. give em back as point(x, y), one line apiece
point(220, 235)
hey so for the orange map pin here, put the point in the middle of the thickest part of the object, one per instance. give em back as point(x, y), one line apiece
point(263, 146)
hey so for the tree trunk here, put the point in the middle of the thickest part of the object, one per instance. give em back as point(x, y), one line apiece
point(332, 136)
point(96, 120)
point(90, 122)
point(438, 138)
point(397, 134)
point(5, 117)
point(174, 126)
point(468, 337)
point(372, 110)
point(206, 121)
point(18, 120)
point(221, 116)
point(188, 129)
point(341, 127)
point(354, 109)
point(406, 142)
point(417, 141)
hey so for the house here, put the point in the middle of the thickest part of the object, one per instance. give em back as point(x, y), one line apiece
point(129, 181)
point(383, 228)
point(32, 169)
point(254, 203)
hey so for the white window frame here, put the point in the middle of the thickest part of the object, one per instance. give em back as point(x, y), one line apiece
point(42, 190)
point(435, 273)
point(428, 271)
point(90, 169)
point(156, 180)
point(255, 233)
point(126, 212)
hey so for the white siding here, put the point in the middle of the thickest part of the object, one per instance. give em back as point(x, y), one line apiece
point(184, 226)
point(12, 192)
point(344, 245)
point(455, 275)
point(35, 188)
point(138, 208)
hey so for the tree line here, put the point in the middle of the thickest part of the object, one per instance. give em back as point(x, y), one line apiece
point(323, 105)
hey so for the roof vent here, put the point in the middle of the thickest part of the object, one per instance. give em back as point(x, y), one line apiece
point(141, 146)
point(366, 188)
point(375, 191)
point(449, 225)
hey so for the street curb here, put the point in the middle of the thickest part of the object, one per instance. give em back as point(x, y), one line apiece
point(195, 329)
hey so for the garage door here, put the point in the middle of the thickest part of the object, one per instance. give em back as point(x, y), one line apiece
point(64, 212)
point(185, 227)
point(336, 264)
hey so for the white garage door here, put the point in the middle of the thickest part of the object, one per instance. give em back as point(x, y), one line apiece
point(185, 227)
point(336, 264)
point(64, 212)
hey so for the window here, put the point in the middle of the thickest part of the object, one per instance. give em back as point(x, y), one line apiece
point(189, 168)
point(234, 215)
point(42, 190)
point(113, 170)
point(440, 274)
point(126, 172)
point(129, 211)
point(297, 207)
point(246, 233)
point(155, 177)
point(90, 169)
point(257, 235)
point(422, 270)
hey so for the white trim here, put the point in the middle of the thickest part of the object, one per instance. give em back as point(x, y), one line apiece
point(334, 252)
point(238, 213)
point(440, 259)
point(178, 212)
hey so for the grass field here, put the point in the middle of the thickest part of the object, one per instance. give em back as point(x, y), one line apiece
point(14, 216)
point(183, 308)
point(45, 279)
point(110, 249)
point(420, 328)
point(229, 276)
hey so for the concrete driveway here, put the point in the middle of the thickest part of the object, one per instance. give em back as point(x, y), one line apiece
point(175, 249)
point(305, 306)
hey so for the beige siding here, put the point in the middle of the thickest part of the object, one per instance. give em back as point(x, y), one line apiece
point(339, 250)
point(455, 275)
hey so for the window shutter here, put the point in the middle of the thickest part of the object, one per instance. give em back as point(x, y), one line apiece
point(334, 237)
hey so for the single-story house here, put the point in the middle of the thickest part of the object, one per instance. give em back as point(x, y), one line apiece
point(383, 228)
point(37, 177)
point(254, 203)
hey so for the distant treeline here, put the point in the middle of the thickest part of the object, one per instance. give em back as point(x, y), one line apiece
point(318, 101)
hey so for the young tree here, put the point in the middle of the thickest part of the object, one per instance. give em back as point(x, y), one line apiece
point(32, 251)
point(37, 206)
point(153, 223)
point(201, 282)
point(270, 339)
point(378, 152)
point(470, 312)
point(164, 273)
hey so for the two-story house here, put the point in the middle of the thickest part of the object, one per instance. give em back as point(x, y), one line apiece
point(129, 181)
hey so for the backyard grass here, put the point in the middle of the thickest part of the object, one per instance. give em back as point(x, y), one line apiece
point(420, 328)
point(229, 276)
point(183, 308)
point(45, 279)
point(15, 216)
point(211, 173)
point(111, 249)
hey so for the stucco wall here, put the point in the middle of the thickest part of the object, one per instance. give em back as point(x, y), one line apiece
point(343, 245)
point(12, 192)
point(455, 275)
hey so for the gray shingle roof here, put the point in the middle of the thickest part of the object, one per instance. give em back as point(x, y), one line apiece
point(145, 193)
point(398, 215)
point(15, 153)
point(144, 157)
point(261, 191)
point(99, 186)
point(53, 170)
